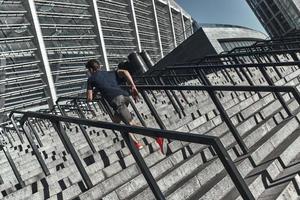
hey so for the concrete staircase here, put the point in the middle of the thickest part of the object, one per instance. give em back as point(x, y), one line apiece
point(188, 171)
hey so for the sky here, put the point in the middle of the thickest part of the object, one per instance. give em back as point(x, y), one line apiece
point(235, 12)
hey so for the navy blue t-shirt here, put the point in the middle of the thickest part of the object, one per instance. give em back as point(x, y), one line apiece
point(108, 83)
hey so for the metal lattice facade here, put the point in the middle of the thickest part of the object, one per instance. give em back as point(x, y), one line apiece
point(278, 17)
point(46, 43)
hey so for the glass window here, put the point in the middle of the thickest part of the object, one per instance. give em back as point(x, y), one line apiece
point(283, 22)
point(277, 26)
point(266, 9)
point(262, 14)
point(273, 6)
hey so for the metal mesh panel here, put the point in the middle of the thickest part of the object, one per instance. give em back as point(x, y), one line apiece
point(23, 79)
point(179, 34)
point(146, 26)
point(165, 29)
point(70, 41)
point(117, 26)
point(188, 27)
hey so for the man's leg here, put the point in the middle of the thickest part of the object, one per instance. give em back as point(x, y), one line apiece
point(123, 114)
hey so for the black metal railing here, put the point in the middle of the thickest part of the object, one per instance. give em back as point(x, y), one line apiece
point(215, 142)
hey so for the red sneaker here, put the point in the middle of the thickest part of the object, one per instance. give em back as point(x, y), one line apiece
point(162, 145)
point(138, 145)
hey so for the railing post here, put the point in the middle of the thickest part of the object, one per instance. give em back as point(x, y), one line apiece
point(57, 126)
point(234, 174)
point(80, 112)
point(223, 113)
point(138, 114)
point(91, 109)
point(88, 139)
point(250, 82)
point(34, 133)
point(296, 94)
point(153, 110)
point(40, 128)
point(13, 166)
point(143, 167)
point(176, 83)
point(170, 97)
point(17, 129)
point(6, 135)
point(36, 151)
point(140, 161)
point(63, 113)
point(270, 82)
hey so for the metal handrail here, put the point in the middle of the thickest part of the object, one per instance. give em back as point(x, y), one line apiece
point(150, 132)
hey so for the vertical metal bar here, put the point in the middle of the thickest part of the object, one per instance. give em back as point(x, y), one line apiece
point(135, 26)
point(98, 30)
point(183, 24)
point(143, 167)
point(17, 129)
point(137, 113)
point(57, 126)
point(88, 139)
point(11, 135)
point(36, 151)
point(274, 67)
point(223, 113)
point(234, 174)
point(6, 135)
point(13, 167)
point(95, 107)
point(153, 110)
point(249, 80)
point(170, 95)
point(39, 125)
point(157, 29)
point(172, 23)
point(80, 112)
point(270, 82)
point(139, 160)
point(42, 53)
point(296, 94)
point(63, 113)
point(35, 133)
point(91, 109)
point(191, 21)
point(176, 83)
point(151, 91)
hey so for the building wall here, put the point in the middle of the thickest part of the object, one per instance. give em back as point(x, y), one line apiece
point(277, 16)
point(48, 42)
point(2, 83)
point(207, 41)
point(231, 34)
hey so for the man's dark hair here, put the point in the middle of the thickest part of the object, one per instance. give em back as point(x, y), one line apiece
point(93, 65)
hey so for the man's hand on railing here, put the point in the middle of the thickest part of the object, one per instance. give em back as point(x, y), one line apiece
point(135, 93)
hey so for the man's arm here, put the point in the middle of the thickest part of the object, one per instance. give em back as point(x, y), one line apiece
point(125, 74)
point(89, 91)
point(89, 95)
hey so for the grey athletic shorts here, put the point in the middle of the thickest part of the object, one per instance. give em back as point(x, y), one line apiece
point(120, 104)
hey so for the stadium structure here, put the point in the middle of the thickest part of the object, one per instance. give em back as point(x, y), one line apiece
point(278, 17)
point(46, 43)
point(230, 120)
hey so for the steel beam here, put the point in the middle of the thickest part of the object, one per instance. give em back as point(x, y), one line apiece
point(98, 30)
point(41, 52)
point(157, 29)
point(183, 24)
point(172, 23)
point(135, 27)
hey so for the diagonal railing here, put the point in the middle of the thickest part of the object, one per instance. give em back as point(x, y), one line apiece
point(215, 142)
